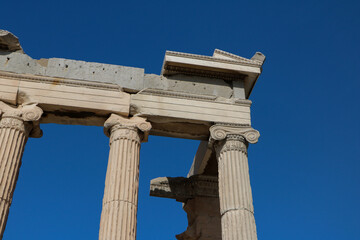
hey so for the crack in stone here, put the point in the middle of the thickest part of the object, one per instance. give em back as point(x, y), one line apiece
point(119, 201)
point(236, 209)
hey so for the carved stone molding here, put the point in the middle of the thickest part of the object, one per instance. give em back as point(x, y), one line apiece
point(171, 70)
point(117, 127)
point(238, 61)
point(232, 144)
point(60, 81)
point(220, 132)
point(24, 118)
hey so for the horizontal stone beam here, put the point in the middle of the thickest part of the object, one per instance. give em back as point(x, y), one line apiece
point(63, 100)
point(173, 114)
point(127, 77)
point(190, 106)
point(182, 189)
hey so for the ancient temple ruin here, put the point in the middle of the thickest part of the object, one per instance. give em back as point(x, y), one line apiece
point(195, 97)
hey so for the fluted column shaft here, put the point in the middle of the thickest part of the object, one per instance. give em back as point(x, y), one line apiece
point(236, 203)
point(15, 126)
point(118, 217)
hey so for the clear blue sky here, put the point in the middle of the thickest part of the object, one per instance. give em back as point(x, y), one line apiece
point(305, 170)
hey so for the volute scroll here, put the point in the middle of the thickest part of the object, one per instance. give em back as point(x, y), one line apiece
point(116, 122)
point(221, 132)
point(23, 118)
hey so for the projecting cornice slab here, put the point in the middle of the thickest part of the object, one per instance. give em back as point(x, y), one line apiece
point(222, 65)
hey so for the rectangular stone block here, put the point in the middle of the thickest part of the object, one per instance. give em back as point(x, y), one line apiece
point(78, 98)
point(126, 77)
point(8, 90)
point(190, 109)
point(20, 63)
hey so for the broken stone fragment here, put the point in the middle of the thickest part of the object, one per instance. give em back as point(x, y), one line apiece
point(182, 189)
point(204, 219)
point(9, 42)
point(259, 57)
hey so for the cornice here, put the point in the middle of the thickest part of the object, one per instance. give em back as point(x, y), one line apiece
point(240, 61)
point(203, 73)
point(221, 52)
point(164, 93)
point(60, 81)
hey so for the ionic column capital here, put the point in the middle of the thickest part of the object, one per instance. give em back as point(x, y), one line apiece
point(125, 127)
point(220, 132)
point(24, 118)
point(118, 216)
point(236, 207)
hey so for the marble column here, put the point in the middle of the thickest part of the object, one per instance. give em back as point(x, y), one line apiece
point(236, 204)
point(119, 210)
point(16, 125)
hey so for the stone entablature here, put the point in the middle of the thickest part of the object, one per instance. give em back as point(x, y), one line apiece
point(78, 92)
point(195, 97)
point(69, 101)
